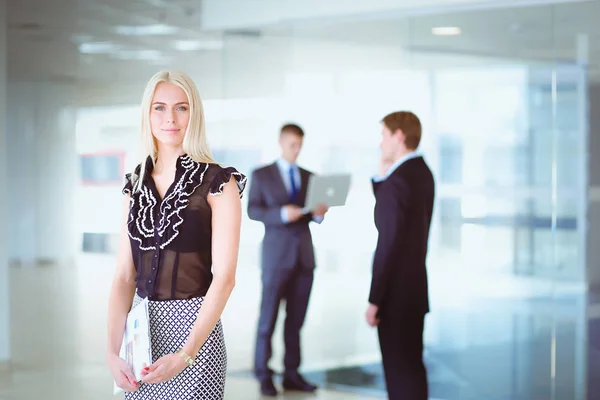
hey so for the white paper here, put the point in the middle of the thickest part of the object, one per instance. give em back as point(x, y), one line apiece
point(136, 348)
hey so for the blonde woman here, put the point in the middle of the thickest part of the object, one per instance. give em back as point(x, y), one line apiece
point(178, 247)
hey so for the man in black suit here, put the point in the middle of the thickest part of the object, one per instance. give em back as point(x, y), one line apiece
point(398, 300)
point(277, 195)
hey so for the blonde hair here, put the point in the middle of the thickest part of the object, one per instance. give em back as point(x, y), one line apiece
point(194, 141)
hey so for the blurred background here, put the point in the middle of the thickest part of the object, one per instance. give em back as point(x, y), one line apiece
point(508, 92)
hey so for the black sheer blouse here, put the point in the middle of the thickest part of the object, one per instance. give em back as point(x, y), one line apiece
point(171, 238)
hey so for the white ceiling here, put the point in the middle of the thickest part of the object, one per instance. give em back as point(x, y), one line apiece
point(79, 40)
point(562, 32)
point(88, 40)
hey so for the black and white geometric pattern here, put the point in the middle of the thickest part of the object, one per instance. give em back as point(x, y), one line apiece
point(170, 324)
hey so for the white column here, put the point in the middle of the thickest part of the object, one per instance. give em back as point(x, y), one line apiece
point(43, 160)
point(21, 136)
point(4, 275)
point(58, 171)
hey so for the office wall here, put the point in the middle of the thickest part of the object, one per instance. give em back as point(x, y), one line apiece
point(4, 198)
point(593, 164)
point(44, 169)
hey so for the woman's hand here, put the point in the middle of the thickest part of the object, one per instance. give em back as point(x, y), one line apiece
point(164, 369)
point(122, 374)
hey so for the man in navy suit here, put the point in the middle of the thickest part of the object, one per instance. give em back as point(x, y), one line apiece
point(277, 195)
point(398, 300)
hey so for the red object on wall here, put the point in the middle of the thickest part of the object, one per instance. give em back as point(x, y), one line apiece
point(103, 168)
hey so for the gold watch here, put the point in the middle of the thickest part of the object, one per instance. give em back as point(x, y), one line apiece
point(189, 360)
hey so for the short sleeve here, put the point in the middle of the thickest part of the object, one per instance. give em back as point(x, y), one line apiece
point(128, 185)
point(131, 179)
point(224, 176)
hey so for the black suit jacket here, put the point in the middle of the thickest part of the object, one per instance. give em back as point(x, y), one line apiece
point(403, 208)
point(284, 245)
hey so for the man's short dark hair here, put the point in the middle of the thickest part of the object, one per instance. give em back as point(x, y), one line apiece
point(408, 123)
point(292, 128)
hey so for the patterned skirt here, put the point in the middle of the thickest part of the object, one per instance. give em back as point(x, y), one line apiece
point(170, 323)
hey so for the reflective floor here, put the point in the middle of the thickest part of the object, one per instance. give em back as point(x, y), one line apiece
point(58, 333)
point(494, 347)
point(519, 369)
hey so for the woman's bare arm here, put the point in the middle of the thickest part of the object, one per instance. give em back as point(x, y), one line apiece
point(226, 224)
point(120, 300)
point(123, 288)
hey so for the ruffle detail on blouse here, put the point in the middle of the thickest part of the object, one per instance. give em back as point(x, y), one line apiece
point(223, 177)
point(141, 223)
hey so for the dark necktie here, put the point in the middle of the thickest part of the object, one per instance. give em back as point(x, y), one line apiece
point(294, 189)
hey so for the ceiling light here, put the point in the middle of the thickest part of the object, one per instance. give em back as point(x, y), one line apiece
point(195, 45)
point(97, 47)
point(146, 30)
point(446, 31)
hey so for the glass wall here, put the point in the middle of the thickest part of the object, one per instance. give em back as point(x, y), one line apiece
point(504, 133)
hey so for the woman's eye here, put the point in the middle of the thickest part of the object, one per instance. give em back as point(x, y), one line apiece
point(159, 108)
point(182, 108)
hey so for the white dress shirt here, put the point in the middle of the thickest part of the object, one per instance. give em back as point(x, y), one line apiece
point(284, 171)
point(394, 166)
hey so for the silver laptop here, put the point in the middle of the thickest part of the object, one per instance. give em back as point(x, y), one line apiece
point(329, 189)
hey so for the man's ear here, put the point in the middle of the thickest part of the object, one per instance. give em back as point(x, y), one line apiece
point(399, 136)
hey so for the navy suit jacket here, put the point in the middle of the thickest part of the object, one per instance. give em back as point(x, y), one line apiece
point(403, 209)
point(284, 245)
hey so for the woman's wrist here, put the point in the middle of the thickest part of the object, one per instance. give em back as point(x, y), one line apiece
point(185, 356)
point(189, 350)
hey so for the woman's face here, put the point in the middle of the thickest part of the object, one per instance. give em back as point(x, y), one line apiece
point(169, 114)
